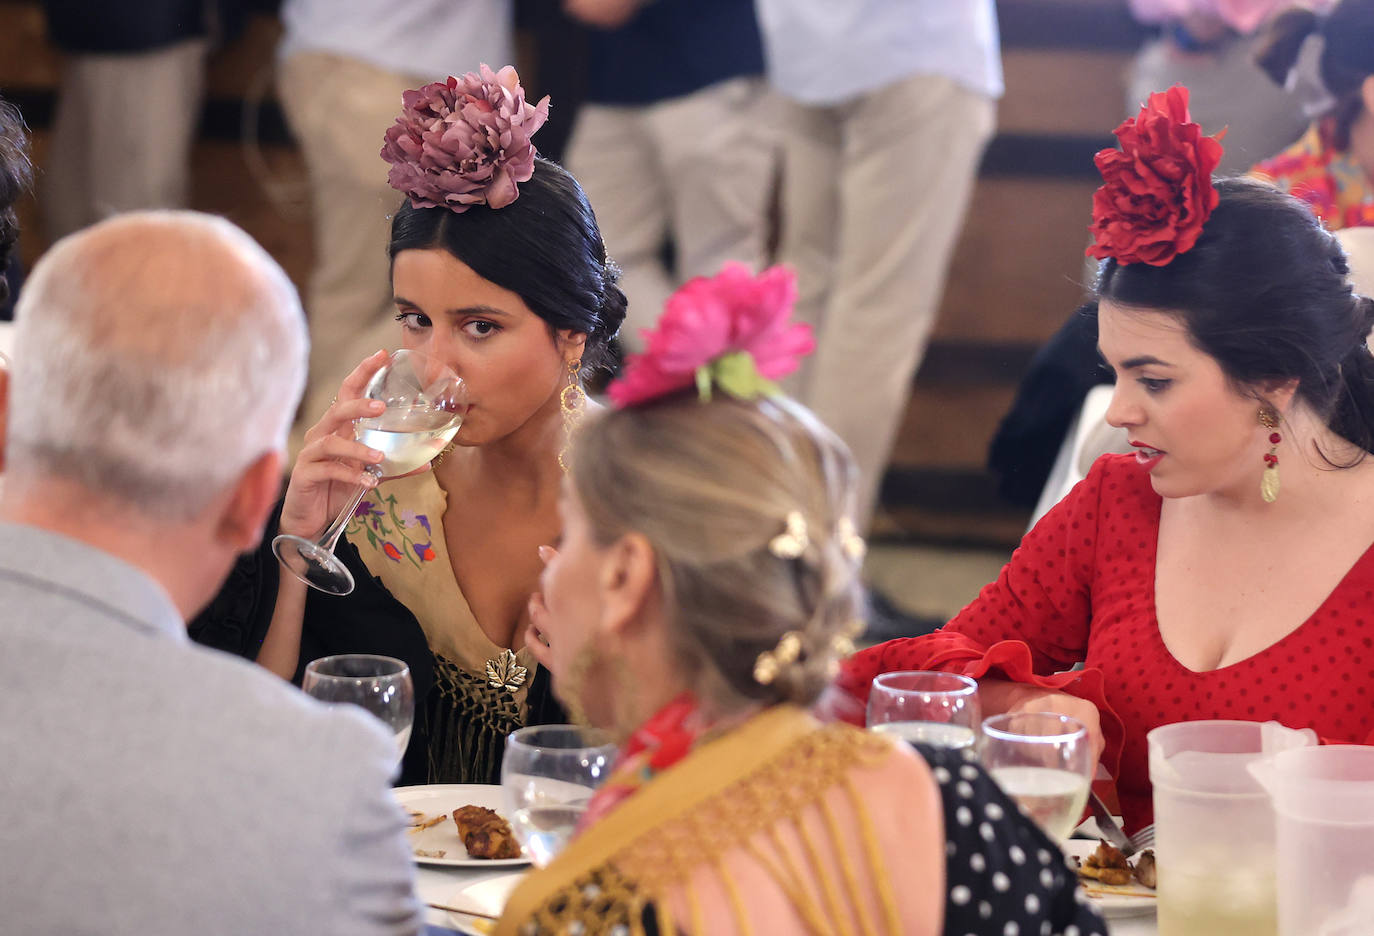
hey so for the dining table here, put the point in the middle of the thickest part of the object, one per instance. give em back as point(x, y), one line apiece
point(455, 887)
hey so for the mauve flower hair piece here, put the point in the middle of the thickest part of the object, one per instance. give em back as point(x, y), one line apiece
point(465, 141)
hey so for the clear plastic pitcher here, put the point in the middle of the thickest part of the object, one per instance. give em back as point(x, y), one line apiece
point(1324, 801)
point(1214, 826)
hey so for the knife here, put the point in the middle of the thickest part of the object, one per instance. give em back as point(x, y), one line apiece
point(1107, 825)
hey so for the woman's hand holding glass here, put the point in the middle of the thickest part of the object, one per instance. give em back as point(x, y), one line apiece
point(407, 404)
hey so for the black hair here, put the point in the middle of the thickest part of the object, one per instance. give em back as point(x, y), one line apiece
point(545, 246)
point(1266, 293)
point(16, 174)
point(1347, 58)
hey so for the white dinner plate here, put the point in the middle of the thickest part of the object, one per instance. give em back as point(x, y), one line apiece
point(444, 798)
point(489, 896)
point(1111, 901)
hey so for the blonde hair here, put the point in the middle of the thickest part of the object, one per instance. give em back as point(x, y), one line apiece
point(710, 485)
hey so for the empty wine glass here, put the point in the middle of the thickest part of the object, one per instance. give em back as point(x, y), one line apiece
point(1045, 762)
point(379, 684)
point(547, 778)
point(939, 709)
point(425, 404)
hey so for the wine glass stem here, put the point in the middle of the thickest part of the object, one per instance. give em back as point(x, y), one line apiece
point(330, 537)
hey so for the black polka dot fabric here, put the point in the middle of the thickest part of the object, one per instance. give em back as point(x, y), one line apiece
point(1004, 877)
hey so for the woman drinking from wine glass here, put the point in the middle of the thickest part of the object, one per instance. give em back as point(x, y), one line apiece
point(1191, 583)
point(706, 583)
point(499, 272)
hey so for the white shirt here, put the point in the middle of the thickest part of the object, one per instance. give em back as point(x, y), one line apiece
point(828, 51)
point(426, 38)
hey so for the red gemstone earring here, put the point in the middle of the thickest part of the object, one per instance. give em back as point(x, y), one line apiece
point(1269, 481)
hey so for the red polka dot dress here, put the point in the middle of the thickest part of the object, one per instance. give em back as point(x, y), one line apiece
point(1081, 589)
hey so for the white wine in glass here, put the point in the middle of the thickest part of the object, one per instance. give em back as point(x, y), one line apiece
point(548, 776)
point(939, 709)
point(425, 404)
point(1043, 761)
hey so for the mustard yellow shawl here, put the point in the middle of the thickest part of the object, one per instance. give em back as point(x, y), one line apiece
point(734, 793)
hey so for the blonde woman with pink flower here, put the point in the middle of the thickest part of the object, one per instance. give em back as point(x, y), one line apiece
point(498, 270)
point(705, 587)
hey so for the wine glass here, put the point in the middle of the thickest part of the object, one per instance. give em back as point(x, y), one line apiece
point(939, 709)
point(379, 684)
point(425, 403)
point(548, 776)
point(1045, 762)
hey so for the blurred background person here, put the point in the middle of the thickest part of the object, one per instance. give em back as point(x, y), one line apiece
point(133, 78)
point(1327, 63)
point(887, 106)
point(1209, 47)
point(158, 362)
point(342, 67)
point(673, 142)
point(16, 175)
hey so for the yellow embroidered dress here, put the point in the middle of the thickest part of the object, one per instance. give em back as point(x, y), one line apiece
point(480, 691)
point(783, 826)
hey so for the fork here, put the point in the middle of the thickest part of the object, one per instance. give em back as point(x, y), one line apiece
point(1144, 839)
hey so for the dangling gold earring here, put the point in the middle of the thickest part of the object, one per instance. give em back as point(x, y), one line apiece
point(1269, 480)
point(573, 402)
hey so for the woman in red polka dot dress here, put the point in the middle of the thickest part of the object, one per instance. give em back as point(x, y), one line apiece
point(1190, 583)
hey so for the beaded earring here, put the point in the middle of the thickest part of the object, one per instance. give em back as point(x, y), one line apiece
point(1269, 480)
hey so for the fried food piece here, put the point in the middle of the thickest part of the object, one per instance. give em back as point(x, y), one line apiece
point(1107, 865)
point(484, 833)
point(1145, 868)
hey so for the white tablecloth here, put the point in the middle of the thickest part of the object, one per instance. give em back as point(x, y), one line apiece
point(442, 885)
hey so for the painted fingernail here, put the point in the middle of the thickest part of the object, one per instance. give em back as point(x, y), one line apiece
point(376, 406)
point(375, 455)
point(546, 553)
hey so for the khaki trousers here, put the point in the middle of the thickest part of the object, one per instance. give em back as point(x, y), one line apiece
point(122, 134)
point(339, 108)
point(699, 168)
point(873, 198)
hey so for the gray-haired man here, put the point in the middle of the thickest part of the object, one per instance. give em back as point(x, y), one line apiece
point(149, 785)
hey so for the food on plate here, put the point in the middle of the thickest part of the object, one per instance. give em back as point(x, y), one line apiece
point(419, 821)
point(1107, 866)
point(484, 833)
point(1145, 868)
point(430, 853)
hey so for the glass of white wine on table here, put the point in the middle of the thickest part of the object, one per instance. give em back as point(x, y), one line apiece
point(548, 776)
point(939, 709)
point(379, 684)
point(1045, 762)
point(425, 404)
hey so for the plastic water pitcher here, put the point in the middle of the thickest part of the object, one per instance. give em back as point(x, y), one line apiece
point(1215, 827)
point(1324, 802)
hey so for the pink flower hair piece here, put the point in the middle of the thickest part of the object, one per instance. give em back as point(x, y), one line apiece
point(730, 331)
point(465, 141)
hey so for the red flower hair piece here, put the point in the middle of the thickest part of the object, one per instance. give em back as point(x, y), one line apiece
point(1157, 188)
point(729, 331)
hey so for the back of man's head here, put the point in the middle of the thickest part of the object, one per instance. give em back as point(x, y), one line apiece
point(157, 355)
